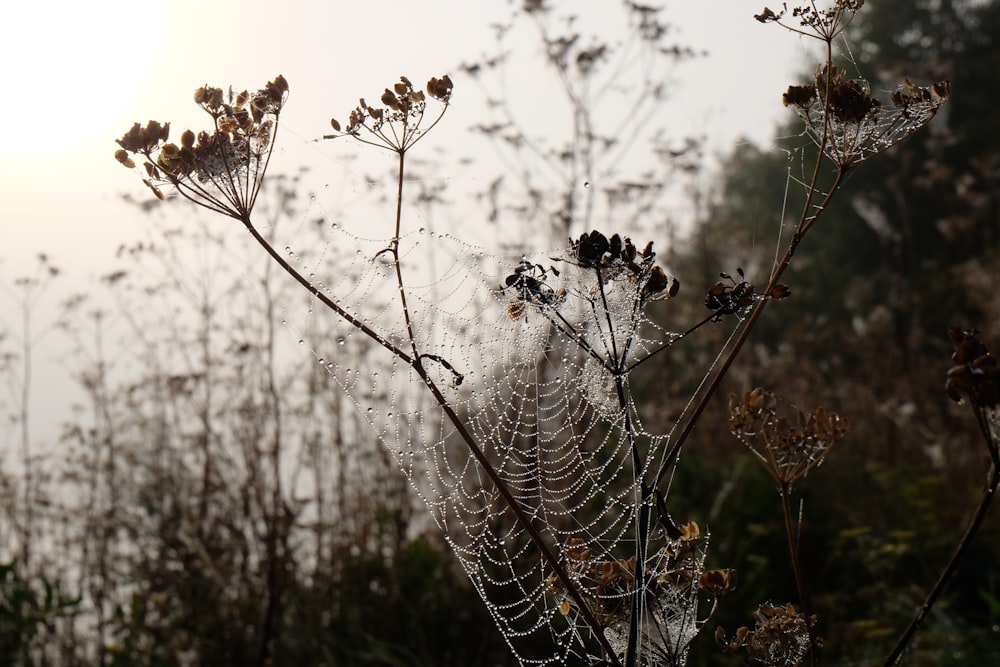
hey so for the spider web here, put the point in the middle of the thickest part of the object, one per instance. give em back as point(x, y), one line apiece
point(532, 353)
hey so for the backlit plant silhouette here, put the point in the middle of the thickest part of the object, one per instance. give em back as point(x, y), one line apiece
point(532, 454)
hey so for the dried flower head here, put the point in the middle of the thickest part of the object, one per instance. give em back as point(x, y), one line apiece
point(780, 637)
point(824, 24)
point(976, 376)
point(976, 373)
point(615, 262)
point(528, 286)
point(717, 582)
point(397, 124)
point(841, 115)
point(787, 451)
point(440, 89)
point(221, 169)
point(617, 259)
point(673, 578)
point(730, 297)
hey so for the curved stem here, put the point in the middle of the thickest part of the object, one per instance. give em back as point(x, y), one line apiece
point(323, 298)
point(786, 260)
point(569, 584)
point(550, 558)
point(806, 222)
point(989, 491)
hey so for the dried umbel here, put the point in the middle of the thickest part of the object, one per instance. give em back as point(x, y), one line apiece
point(852, 126)
point(780, 637)
point(976, 373)
point(674, 578)
point(811, 21)
point(617, 259)
point(223, 168)
point(787, 451)
point(840, 114)
point(613, 260)
point(729, 297)
point(976, 377)
point(397, 124)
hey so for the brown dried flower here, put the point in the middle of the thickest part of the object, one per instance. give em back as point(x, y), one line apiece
point(976, 373)
point(841, 115)
point(780, 637)
point(824, 24)
point(440, 89)
point(617, 259)
point(397, 124)
point(976, 376)
point(787, 451)
point(609, 584)
point(717, 582)
point(221, 169)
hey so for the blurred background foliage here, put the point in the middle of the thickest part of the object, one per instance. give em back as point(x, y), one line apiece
point(217, 504)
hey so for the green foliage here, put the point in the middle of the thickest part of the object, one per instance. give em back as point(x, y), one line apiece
point(29, 608)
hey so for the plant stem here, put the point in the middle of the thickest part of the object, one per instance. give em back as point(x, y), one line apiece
point(324, 299)
point(804, 226)
point(394, 249)
point(642, 531)
point(551, 559)
point(784, 489)
point(989, 491)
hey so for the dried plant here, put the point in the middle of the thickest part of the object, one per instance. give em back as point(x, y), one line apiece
point(841, 115)
point(780, 636)
point(974, 378)
point(788, 452)
point(551, 491)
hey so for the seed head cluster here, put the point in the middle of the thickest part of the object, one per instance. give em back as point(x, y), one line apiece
point(787, 451)
point(852, 126)
point(780, 636)
point(397, 124)
point(608, 585)
point(221, 169)
point(809, 20)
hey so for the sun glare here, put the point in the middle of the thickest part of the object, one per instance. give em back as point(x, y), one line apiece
point(73, 66)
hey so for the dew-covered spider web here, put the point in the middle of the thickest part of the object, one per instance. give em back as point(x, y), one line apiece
point(498, 378)
point(529, 355)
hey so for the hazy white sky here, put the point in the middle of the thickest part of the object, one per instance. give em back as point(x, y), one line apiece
point(84, 71)
point(78, 74)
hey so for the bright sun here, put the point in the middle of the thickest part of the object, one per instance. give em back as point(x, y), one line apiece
point(69, 67)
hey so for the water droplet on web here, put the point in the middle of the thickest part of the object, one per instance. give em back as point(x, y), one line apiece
point(421, 230)
point(312, 196)
point(321, 361)
point(301, 342)
point(586, 184)
point(340, 341)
